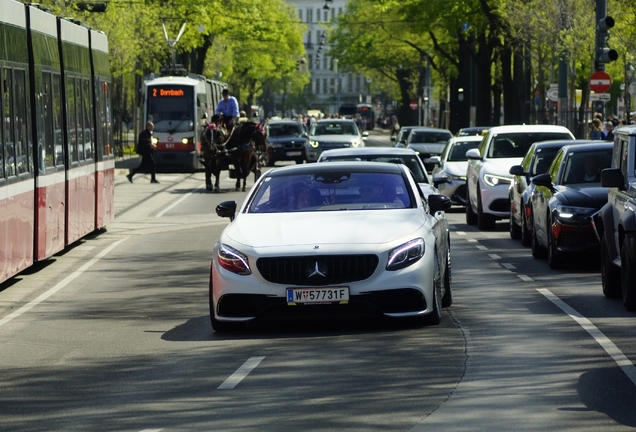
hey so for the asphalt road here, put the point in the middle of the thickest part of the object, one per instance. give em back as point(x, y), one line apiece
point(114, 334)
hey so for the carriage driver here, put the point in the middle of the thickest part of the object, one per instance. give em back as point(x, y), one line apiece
point(228, 107)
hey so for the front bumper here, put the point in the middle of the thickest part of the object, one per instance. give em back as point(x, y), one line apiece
point(495, 200)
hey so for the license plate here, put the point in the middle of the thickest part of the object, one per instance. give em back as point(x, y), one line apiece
point(296, 153)
point(317, 295)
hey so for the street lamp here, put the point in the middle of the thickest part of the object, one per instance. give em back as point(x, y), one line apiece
point(629, 78)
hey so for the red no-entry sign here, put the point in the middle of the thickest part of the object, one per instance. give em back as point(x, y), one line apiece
point(600, 82)
point(413, 105)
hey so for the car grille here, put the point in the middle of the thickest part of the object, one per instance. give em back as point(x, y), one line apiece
point(333, 145)
point(292, 145)
point(295, 271)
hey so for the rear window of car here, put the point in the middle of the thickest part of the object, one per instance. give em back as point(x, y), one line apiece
point(411, 162)
point(280, 130)
point(335, 128)
point(516, 145)
point(418, 137)
point(331, 191)
point(459, 149)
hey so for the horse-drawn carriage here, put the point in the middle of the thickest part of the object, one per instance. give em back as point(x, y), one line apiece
point(235, 149)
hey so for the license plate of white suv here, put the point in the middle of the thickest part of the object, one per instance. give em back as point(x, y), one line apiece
point(317, 295)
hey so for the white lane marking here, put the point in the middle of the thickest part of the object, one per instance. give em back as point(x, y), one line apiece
point(525, 278)
point(508, 266)
point(151, 430)
point(494, 256)
point(610, 348)
point(460, 233)
point(241, 373)
point(62, 284)
point(170, 207)
point(472, 240)
point(480, 247)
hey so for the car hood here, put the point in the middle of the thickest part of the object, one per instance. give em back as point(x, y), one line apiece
point(335, 138)
point(582, 195)
point(500, 166)
point(275, 230)
point(428, 148)
point(456, 168)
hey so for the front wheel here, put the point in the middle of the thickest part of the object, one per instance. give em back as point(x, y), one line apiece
point(610, 274)
point(628, 278)
point(435, 317)
point(515, 230)
point(471, 216)
point(485, 222)
point(447, 300)
point(525, 232)
point(538, 251)
point(555, 257)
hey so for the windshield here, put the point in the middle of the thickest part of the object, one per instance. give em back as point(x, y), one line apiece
point(171, 108)
point(420, 137)
point(412, 162)
point(515, 145)
point(585, 167)
point(331, 191)
point(542, 160)
point(459, 149)
point(281, 130)
point(335, 128)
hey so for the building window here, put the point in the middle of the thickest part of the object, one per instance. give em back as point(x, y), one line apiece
point(318, 14)
point(333, 13)
point(308, 39)
point(326, 16)
point(318, 86)
point(309, 15)
point(310, 57)
point(332, 86)
point(300, 15)
point(325, 89)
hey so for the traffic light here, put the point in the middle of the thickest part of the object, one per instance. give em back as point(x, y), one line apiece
point(603, 53)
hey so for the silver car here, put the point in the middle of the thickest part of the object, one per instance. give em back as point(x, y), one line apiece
point(428, 142)
point(331, 134)
point(449, 171)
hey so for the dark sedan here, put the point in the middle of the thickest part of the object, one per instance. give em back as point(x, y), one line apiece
point(286, 140)
point(536, 161)
point(566, 198)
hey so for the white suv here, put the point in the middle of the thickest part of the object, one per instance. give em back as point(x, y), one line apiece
point(488, 178)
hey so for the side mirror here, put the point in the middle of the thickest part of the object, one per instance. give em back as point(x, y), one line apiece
point(435, 160)
point(473, 154)
point(226, 209)
point(612, 177)
point(440, 179)
point(365, 134)
point(543, 180)
point(438, 203)
point(517, 170)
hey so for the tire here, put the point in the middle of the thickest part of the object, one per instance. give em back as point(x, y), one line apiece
point(610, 274)
point(555, 257)
point(538, 252)
point(515, 230)
point(435, 317)
point(485, 222)
point(525, 232)
point(471, 216)
point(447, 300)
point(628, 279)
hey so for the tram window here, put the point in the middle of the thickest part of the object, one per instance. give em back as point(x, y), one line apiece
point(88, 124)
point(3, 115)
point(7, 110)
point(46, 133)
point(56, 104)
point(23, 158)
point(71, 121)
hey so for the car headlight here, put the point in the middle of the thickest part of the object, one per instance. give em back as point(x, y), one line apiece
point(406, 254)
point(314, 144)
point(568, 212)
point(233, 260)
point(356, 143)
point(495, 180)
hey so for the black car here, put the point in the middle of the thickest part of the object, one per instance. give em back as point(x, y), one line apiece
point(536, 161)
point(286, 140)
point(565, 200)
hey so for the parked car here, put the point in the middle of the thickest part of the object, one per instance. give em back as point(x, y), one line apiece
point(536, 161)
point(286, 140)
point(487, 176)
point(565, 200)
point(402, 136)
point(305, 243)
point(333, 133)
point(385, 154)
point(616, 222)
point(449, 169)
point(428, 142)
point(474, 130)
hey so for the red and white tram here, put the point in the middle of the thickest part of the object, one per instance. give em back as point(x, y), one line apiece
point(177, 103)
point(56, 167)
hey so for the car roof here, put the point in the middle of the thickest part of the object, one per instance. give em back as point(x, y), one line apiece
point(369, 151)
point(429, 129)
point(466, 138)
point(527, 128)
point(599, 145)
point(317, 168)
point(335, 120)
point(283, 122)
point(560, 143)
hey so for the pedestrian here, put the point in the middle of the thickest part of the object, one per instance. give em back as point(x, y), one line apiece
point(146, 148)
point(608, 133)
point(597, 130)
point(395, 127)
point(229, 108)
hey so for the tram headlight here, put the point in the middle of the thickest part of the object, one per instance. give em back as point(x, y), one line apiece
point(155, 141)
point(184, 140)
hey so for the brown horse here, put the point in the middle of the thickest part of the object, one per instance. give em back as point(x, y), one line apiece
point(238, 147)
